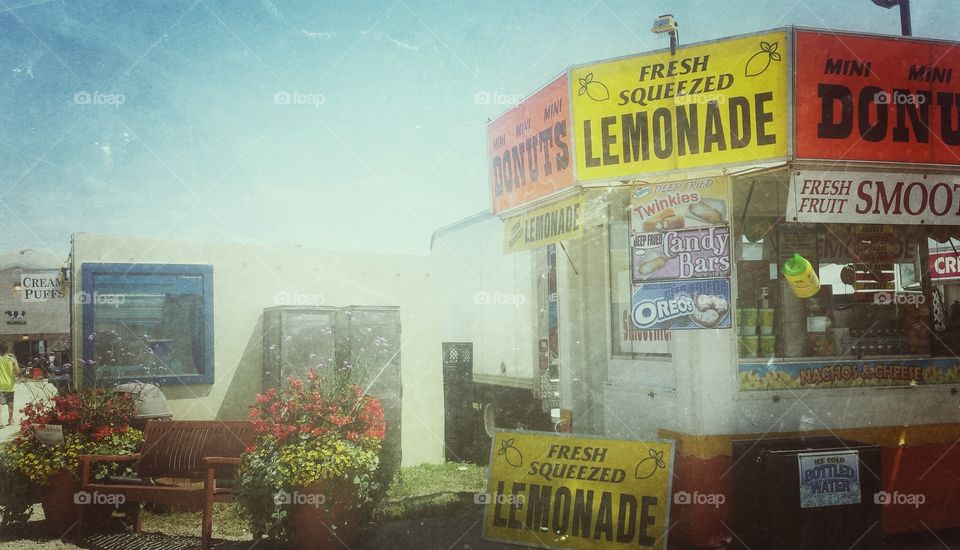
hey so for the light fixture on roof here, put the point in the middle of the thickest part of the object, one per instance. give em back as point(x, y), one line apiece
point(667, 24)
point(905, 26)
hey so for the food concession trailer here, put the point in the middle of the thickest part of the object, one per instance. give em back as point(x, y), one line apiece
point(670, 189)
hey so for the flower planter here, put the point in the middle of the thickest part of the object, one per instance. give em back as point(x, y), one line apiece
point(333, 524)
point(61, 511)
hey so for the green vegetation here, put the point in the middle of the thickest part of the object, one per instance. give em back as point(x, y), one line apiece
point(430, 489)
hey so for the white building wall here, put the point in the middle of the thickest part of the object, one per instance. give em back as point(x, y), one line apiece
point(249, 278)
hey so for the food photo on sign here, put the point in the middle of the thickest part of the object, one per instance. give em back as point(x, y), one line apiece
point(682, 305)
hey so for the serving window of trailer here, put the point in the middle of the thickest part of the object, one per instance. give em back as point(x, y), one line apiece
point(147, 322)
point(879, 318)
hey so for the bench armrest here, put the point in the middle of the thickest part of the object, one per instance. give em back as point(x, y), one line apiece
point(86, 460)
point(211, 460)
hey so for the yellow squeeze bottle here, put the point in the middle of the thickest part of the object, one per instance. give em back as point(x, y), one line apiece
point(801, 276)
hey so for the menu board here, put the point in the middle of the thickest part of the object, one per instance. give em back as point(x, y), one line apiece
point(680, 233)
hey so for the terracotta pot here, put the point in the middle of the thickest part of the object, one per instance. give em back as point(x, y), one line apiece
point(321, 520)
point(61, 511)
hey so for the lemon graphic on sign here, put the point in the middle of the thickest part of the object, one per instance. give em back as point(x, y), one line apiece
point(649, 466)
point(510, 453)
point(760, 61)
point(595, 90)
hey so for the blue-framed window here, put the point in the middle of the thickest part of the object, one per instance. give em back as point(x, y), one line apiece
point(149, 322)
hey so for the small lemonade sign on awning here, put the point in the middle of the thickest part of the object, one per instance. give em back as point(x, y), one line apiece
point(556, 491)
point(549, 224)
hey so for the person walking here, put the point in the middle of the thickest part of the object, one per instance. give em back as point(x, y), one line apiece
point(9, 371)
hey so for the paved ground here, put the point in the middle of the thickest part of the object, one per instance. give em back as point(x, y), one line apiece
point(457, 531)
point(24, 392)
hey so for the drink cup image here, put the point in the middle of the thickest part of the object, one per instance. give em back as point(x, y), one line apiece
point(747, 321)
point(768, 346)
point(747, 346)
point(766, 321)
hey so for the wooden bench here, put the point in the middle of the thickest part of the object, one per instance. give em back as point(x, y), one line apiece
point(196, 450)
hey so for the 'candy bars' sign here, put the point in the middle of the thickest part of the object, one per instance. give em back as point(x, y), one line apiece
point(873, 197)
point(691, 254)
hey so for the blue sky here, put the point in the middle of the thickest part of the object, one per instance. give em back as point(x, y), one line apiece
point(354, 125)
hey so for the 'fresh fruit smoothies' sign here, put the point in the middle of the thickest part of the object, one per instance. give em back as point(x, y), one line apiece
point(528, 148)
point(555, 491)
point(877, 98)
point(873, 197)
point(829, 478)
point(710, 104)
point(680, 305)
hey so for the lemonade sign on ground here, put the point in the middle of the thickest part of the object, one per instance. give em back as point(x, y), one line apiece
point(710, 104)
point(556, 491)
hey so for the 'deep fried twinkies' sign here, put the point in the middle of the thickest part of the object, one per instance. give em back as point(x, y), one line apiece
point(555, 491)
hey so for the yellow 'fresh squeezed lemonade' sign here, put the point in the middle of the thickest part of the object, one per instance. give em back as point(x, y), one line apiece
point(557, 491)
point(710, 104)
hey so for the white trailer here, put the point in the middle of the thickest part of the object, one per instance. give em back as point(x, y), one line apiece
point(495, 318)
